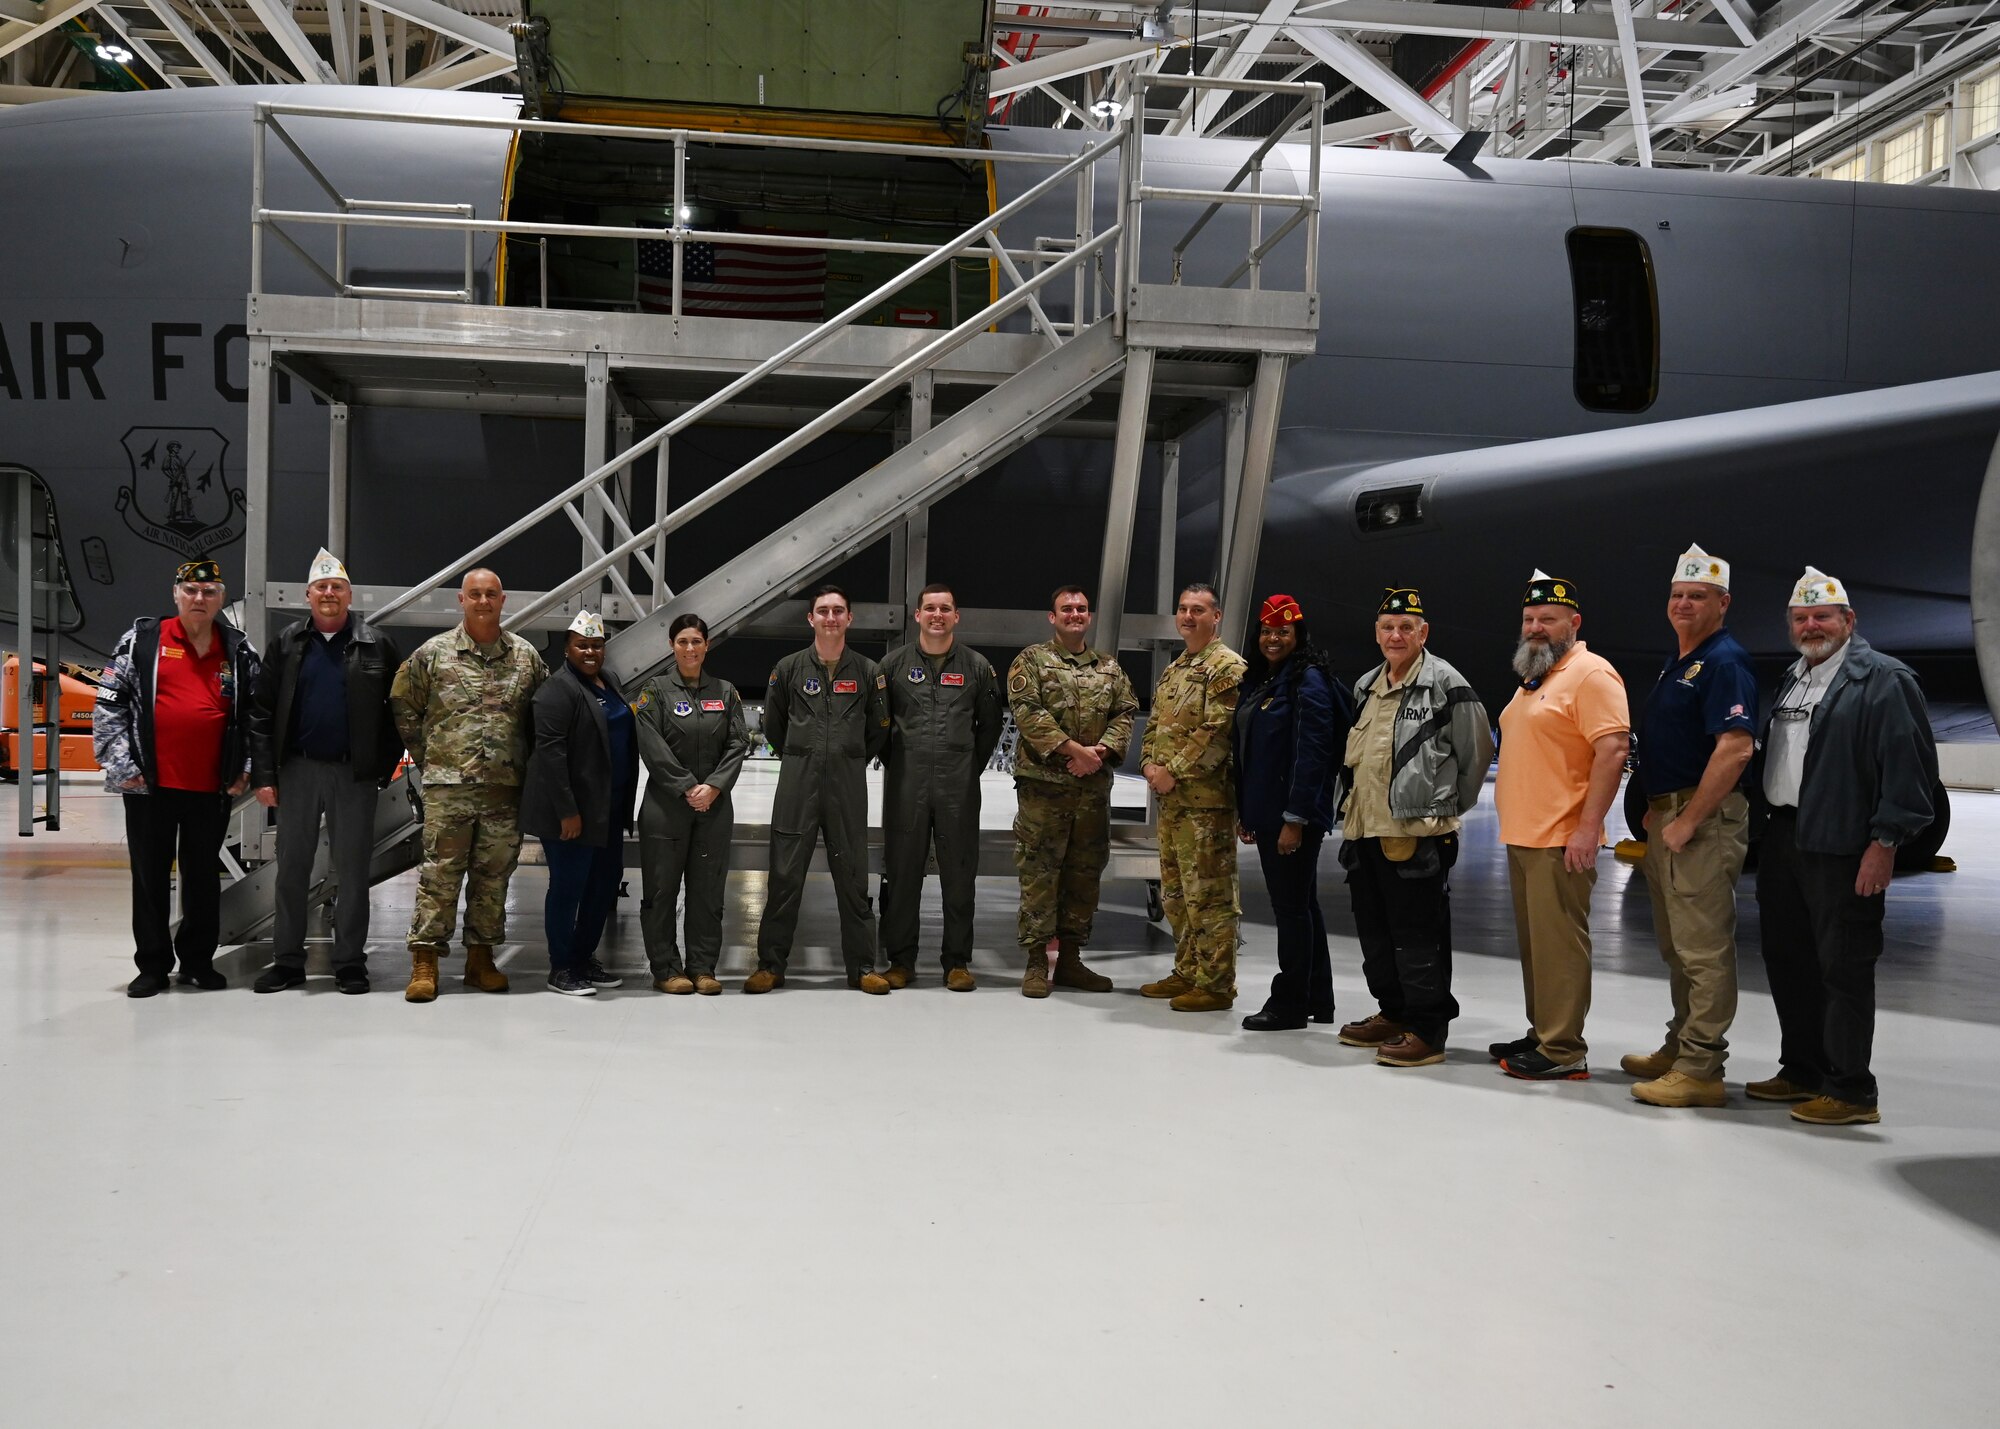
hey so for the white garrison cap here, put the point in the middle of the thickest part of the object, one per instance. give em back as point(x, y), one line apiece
point(326, 566)
point(1816, 587)
point(1695, 564)
point(588, 624)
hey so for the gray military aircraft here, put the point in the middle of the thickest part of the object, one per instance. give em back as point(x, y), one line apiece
point(1520, 364)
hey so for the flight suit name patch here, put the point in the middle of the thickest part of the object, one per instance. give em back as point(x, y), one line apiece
point(953, 679)
point(714, 706)
point(847, 687)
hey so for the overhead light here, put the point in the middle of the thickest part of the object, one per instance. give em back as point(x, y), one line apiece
point(687, 214)
point(1106, 108)
point(114, 54)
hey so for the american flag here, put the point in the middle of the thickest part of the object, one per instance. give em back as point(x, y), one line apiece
point(734, 280)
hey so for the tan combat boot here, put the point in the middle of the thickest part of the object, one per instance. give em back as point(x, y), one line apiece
point(1035, 981)
point(1201, 999)
point(1647, 1065)
point(1071, 972)
point(480, 971)
point(1172, 985)
point(423, 973)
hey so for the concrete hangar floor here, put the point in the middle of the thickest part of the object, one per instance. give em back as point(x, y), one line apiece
point(820, 1208)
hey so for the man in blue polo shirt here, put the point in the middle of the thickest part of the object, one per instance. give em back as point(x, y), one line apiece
point(1694, 750)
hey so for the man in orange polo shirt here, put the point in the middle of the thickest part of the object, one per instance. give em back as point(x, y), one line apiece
point(1563, 742)
point(170, 733)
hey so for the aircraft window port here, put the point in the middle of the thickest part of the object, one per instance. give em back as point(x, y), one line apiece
point(1617, 320)
point(1394, 508)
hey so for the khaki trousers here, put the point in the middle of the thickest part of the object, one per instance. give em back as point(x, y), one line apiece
point(1552, 925)
point(1694, 920)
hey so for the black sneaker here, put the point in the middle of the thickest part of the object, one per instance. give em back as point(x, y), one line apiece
point(597, 975)
point(146, 985)
point(207, 979)
point(571, 983)
point(1501, 1051)
point(1532, 1066)
point(276, 979)
point(351, 979)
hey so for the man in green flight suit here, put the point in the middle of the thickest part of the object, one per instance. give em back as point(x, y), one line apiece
point(1073, 707)
point(826, 712)
point(464, 706)
point(944, 721)
point(1185, 758)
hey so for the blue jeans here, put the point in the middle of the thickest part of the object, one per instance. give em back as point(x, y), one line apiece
point(583, 884)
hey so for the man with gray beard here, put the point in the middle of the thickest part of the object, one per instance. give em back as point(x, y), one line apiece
point(1848, 766)
point(1563, 741)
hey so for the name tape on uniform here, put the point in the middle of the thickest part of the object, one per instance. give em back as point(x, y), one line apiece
point(847, 687)
point(953, 679)
point(712, 706)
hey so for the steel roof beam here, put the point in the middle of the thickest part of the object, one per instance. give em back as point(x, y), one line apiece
point(17, 31)
point(276, 16)
point(185, 37)
point(1405, 18)
point(1370, 74)
point(447, 21)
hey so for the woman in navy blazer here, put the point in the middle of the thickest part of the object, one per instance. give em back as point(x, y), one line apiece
point(1291, 726)
point(578, 801)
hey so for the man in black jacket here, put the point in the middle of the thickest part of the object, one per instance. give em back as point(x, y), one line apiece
point(168, 731)
point(322, 741)
point(1848, 767)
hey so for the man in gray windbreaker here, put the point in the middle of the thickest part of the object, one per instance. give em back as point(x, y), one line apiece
point(1416, 759)
point(1849, 763)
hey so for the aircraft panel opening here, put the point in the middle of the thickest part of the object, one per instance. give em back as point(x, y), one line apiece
point(1617, 320)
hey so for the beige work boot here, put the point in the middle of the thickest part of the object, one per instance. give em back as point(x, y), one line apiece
point(1035, 981)
point(1172, 985)
point(706, 984)
point(1679, 1089)
point(1647, 1065)
point(1201, 999)
point(960, 980)
point(899, 977)
point(480, 971)
point(423, 973)
point(677, 984)
point(1071, 972)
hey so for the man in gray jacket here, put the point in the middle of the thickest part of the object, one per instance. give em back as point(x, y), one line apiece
point(1416, 760)
point(1848, 768)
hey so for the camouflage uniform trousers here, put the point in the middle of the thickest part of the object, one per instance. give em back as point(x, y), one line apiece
point(1198, 887)
point(472, 832)
point(1062, 840)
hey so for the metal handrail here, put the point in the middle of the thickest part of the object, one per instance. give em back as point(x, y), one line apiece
point(945, 343)
point(943, 254)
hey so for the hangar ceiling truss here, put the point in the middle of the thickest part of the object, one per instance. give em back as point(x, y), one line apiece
point(1739, 85)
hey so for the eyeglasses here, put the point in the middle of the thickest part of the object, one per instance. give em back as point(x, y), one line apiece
point(201, 592)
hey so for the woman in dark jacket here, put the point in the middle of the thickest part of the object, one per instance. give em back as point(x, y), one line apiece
point(1291, 724)
point(694, 739)
point(578, 802)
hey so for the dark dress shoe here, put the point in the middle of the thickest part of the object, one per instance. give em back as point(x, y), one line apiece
point(146, 985)
point(1326, 1016)
point(351, 979)
point(1269, 1021)
point(207, 979)
point(277, 978)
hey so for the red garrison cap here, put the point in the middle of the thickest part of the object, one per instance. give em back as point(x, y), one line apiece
point(1280, 610)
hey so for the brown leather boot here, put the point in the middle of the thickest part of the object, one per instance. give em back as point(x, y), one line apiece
point(899, 977)
point(480, 971)
point(1172, 985)
point(1201, 999)
point(1035, 981)
point(960, 980)
point(763, 980)
point(423, 973)
point(706, 985)
point(1071, 972)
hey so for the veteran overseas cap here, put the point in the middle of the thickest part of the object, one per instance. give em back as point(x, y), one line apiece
point(326, 567)
point(1545, 589)
point(192, 571)
point(1816, 587)
point(588, 624)
point(1695, 564)
point(1400, 600)
point(1280, 610)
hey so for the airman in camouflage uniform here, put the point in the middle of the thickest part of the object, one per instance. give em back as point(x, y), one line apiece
point(1073, 708)
point(1185, 757)
point(464, 706)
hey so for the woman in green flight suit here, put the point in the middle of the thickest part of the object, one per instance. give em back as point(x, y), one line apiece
point(693, 739)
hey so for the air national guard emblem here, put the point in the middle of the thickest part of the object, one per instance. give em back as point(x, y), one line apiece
point(681, 707)
point(812, 685)
point(917, 676)
point(180, 496)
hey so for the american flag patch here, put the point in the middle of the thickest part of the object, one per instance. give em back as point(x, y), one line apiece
point(1736, 709)
point(951, 679)
point(847, 687)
